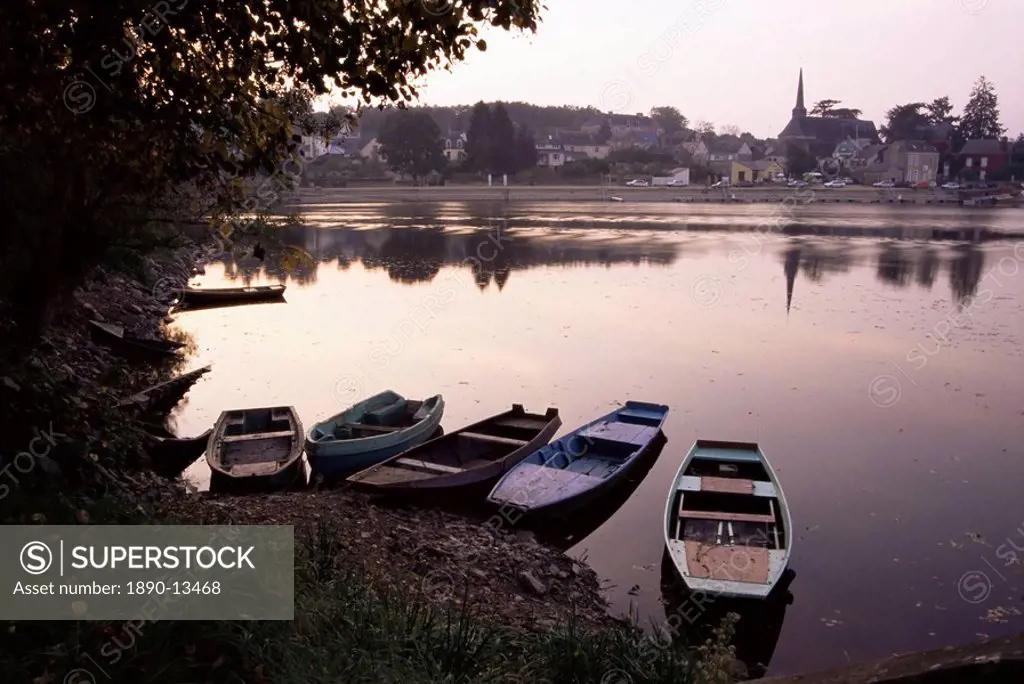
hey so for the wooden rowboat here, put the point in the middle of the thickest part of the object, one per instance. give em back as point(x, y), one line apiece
point(581, 465)
point(171, 455)
point(727, 525)
point(163, 396)
point(370, 431)
point(132, 346)
point(231, 295)
point(255, 448)
point(476, 455)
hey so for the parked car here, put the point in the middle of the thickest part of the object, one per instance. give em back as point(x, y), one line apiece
point(638, 183)
point(950, 186)
point(676, 183)
point(744, 184)
point(884, 184)
point(921, 185)
point(721, 184)
point(797, 184)
point(835, 184)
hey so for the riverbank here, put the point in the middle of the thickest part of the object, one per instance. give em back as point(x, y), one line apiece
point(571, 193)
point(382, 594)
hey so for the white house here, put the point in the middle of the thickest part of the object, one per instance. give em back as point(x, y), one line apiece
point(455, 147)
point(371, 150)
point(550, 155)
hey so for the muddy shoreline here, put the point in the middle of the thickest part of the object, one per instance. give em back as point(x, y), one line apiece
point(449, 558)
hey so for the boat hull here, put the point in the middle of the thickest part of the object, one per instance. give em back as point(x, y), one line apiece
point(231, 295)
point(256, 449)
point(749, 565)
point(583, 465)
point(337, 457)
point(415, 472)
point(134, 348)
point(171, 455)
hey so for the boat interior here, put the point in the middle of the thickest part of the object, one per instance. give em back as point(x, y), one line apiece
point(726, 497)
point(381, 420)
point(257, 436)
point(600, 449)
point(475, 447)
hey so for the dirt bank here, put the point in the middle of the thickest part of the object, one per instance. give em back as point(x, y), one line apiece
point(508, 575)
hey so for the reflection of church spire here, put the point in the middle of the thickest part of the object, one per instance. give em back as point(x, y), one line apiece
point(800, 110)
point(791, 267)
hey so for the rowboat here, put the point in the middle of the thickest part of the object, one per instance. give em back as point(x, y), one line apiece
point(126, 344)
point(370, 431)
point(171, 455)
point(727, 525)
point(231, 295)
point(476, 455)
point(584, 463)
point(256, 447)
point(163, 396)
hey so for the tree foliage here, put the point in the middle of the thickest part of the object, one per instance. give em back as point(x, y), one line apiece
point(121, 108)
point(940, 111)
point(904, 121)
point(411, 143)
point(799, 161)
point(669, 119)
point(981, 113)
point(494, 144)
point(824, 107)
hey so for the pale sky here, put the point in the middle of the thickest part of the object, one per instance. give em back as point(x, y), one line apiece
point(737, 61)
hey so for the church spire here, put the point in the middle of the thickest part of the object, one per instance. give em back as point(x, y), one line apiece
point(800, 110)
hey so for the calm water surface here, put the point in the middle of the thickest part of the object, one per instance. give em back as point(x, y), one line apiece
point(884, 379)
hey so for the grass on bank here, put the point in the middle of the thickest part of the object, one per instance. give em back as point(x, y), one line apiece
point(349, 628)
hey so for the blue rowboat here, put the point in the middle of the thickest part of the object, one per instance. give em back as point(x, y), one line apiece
point(727, 524)
point(582, 464)
point(371, 431)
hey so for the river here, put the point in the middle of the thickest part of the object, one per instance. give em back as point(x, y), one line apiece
point(878, 363)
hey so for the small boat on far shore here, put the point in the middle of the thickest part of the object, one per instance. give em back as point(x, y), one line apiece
point(476, 455)
point(169, 454)
point(131, 346)
point(163, 396)
point(370, 431)
point(727, 524)
point(230, 295)
point(256, 448)
point(576, 468)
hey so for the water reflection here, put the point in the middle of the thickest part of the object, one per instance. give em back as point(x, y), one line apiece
point(692, 617)
point(965, 272)
point(412, 255)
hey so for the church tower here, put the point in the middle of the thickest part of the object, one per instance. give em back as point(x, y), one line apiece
point(800, 111)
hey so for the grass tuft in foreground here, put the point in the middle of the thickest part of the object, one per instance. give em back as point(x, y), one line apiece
point(347, 628)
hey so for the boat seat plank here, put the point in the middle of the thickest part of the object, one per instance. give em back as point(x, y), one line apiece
point(493, 438)
point(723, 515)
point(728, 563)
point(521, 423)
point(427, 465)
point(626, 433)
point(727, 455)
point(371, 428)
point(726, 485)
point(229, 439)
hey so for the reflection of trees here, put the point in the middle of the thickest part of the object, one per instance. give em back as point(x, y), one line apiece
point(412, 255)
point(927, 267)
point(965, 271)
point(894, 267)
